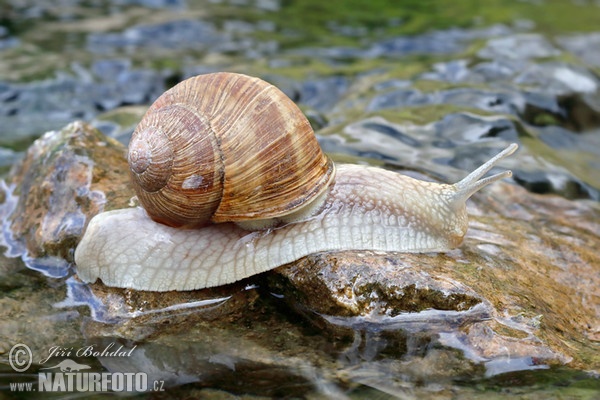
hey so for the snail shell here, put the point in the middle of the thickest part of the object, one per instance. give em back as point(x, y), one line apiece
point(225, 147)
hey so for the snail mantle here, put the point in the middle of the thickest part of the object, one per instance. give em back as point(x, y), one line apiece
point(232, 183)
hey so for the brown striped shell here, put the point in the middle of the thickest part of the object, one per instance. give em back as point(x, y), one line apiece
point(225, 147)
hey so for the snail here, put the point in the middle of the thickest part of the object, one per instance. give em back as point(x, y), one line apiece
point(277, 197)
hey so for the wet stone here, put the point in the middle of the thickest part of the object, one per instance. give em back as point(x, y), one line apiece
point(538, 182)
point(318, 95)
point(7, 41)
point(452, 71)
point(521, 284)
point(462, 140)
point(505, 102)
point(397, 99)
point(66, 177)
point(224, 353)
point(584, 46)
point(365, 283)
point(156, 3)
point(560, 138)
point(7, 157)
point(440, 42)
point(323, 94)
point(465, 71)
point(172, 34)
point(31, 313)
point(539, 93)
point(450, 41)
point(133, 309)
point(496, 70)
point(521, 46)
point(471, 127)
point(558, 79)
point(27, 110)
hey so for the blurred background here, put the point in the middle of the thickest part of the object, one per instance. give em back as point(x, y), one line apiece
point(531, 64)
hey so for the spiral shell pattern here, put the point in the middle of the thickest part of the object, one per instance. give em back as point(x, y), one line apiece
point(225, 147)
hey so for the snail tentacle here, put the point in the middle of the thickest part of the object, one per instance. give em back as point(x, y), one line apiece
point(473, 182)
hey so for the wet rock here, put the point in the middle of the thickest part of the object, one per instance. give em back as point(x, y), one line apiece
point(558, 79)
point(521, 285)
point(585, 46)
point(433, 43)
point(156, 3)
point(496, 70)
point(397, 99)
point(532, 107)
point(461, 140)
point(452, 71)
point(231, 355)
point(132, 309)
point(171, 34)
point(437, 42)
point(450, 41)
point(31, 314)
point(7, 41)
point(30, 109)
point(7, 158)
point(549, 93)
point(119, 123)
point(465, 71)
point(521, 46)
point(364, 283)
point(538, 182)
point(560, 138)
point(535, 100)
point(505, 102)
point(323, 94)
point(465, 126)
point(234, 37)
point(65, 178)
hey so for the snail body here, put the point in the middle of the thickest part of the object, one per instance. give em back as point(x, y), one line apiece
point(349, 207)
point(366, 208)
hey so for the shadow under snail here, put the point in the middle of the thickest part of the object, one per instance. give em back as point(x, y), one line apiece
point(233, 183)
